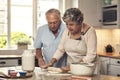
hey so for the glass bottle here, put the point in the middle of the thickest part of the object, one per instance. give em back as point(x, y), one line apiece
point(28, 60)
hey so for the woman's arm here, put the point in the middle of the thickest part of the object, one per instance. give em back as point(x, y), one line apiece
point(60, 50)
point(91, 41)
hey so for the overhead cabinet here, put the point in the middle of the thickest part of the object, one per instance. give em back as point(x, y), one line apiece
point(103, 14)
point(92, 12)
point(90, 8)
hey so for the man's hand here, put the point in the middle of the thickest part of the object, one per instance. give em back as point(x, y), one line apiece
point(41, 62)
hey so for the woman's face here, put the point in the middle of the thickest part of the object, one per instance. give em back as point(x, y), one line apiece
point(73, 27)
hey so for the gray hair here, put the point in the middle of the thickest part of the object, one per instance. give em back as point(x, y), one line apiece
point(57, 12)
point(73, 14)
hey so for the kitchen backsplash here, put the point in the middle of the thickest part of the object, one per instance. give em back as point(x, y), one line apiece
point(107, 36)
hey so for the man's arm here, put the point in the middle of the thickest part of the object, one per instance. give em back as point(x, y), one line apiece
point(39, 56)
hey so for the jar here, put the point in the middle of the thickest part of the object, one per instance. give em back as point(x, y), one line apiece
point(28, 60)
point(107, 2)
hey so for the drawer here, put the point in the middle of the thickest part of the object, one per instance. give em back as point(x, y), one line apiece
point(114, 70)
point(115, 61)
point(8, 62)
point(104, 58)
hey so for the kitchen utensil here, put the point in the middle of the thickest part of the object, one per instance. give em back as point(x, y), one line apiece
point(82, 69)
point(109, 48)
point(22, 73)
point(13, 73)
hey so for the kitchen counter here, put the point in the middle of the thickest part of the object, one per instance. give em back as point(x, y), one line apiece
point(10, 56)
point(104, 54)
point(34, 77)
point(112, 55)
point(37, 76)
point(105, 77)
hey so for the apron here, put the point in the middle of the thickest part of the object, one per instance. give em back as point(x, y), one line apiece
point(76, 50)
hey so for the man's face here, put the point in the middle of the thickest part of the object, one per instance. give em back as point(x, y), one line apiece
point(53, 22)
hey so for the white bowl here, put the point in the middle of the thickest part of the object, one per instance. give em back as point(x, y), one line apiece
point(82, 69)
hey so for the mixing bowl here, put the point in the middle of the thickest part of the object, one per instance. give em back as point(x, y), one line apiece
point(82, 69)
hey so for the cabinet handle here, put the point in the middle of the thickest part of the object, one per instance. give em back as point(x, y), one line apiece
point(100, 20)
point(118, 75)
point(3, 62)
point(118, 62)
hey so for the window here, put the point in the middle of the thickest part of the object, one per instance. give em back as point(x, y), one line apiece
point(16, 20)
point(21, 19)
point(43, 7)
point(3, 23)
point(22, 16)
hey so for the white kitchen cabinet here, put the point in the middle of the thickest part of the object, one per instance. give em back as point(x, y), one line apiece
point(114, 70)
point(110, 66)
point(90, 8)
point(114, 67)
point(104, 65)
point(8, 62)
point(92, 11)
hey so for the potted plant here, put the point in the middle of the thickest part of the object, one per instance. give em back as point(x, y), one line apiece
point(23, 44)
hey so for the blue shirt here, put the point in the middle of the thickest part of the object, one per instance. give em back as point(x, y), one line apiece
point(46, 40)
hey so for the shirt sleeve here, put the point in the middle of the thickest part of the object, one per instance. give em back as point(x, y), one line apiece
point(60, 50)
point(91, 41)
point(37, 41)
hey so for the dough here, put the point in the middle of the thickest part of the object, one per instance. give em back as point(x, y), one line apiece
point(54, 70)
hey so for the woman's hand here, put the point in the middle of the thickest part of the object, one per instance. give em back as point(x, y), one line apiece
point(65, 69)
point(46, 66)
point(50, 64)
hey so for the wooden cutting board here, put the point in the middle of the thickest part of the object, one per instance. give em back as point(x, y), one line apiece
point(80, 78)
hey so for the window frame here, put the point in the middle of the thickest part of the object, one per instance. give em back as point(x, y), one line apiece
point(34, 28)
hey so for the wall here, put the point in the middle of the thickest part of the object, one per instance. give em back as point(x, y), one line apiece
point(107, 36)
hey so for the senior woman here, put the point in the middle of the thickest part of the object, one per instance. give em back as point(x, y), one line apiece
point(79, 40)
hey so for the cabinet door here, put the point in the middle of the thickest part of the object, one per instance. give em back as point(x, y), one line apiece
point(104, 65)
point(114, 70)
point(115, 61)
point(114, 67)
point(92, 12)
point(8, 62)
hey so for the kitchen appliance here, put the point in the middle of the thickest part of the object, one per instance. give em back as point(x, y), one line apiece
point(110, 15)
point(109, 48)
point(82, 69)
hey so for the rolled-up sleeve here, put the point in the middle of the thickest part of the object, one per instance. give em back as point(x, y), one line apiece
point(37, 41)
point(60, 50)
point(91, 41)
